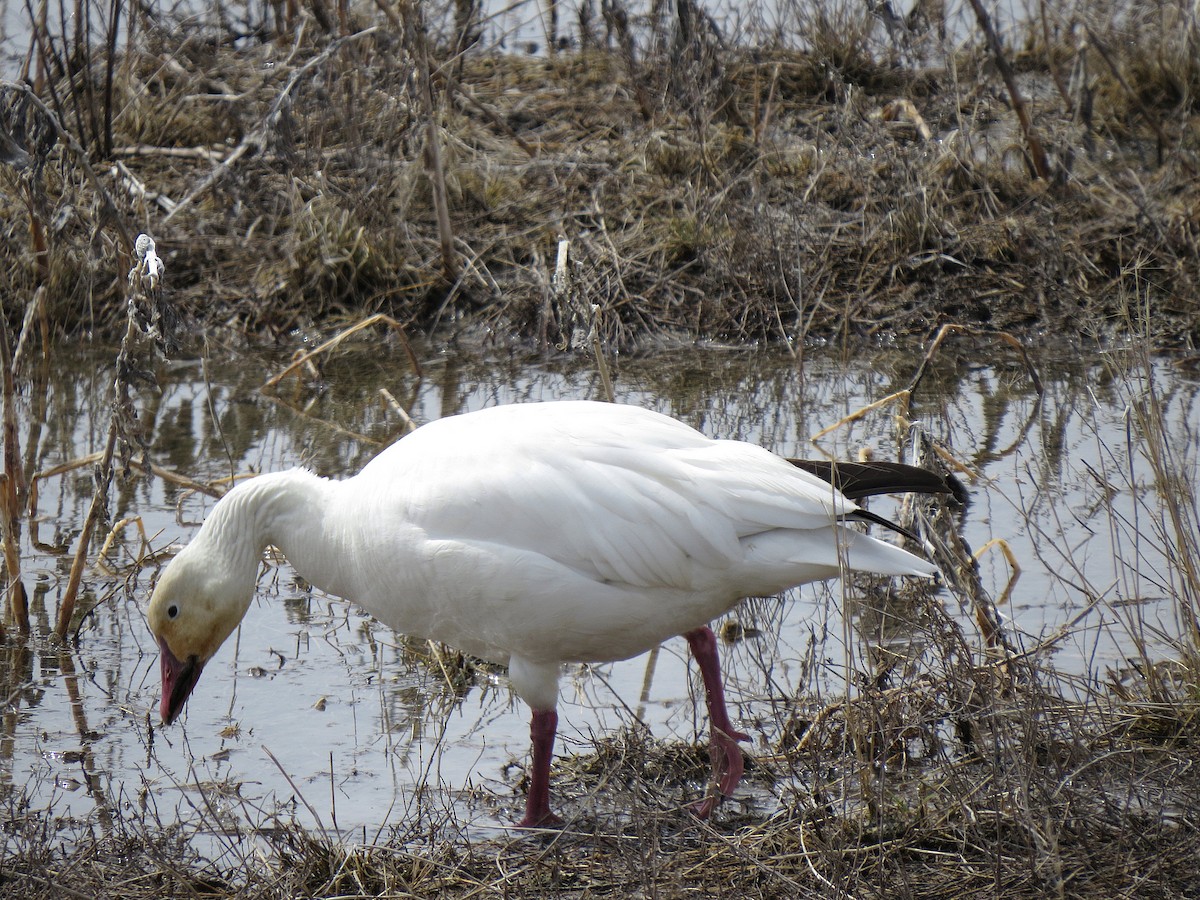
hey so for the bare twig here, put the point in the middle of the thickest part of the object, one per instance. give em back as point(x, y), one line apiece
point(11, 489)
point(415, 34)
point(1040, 163)
point(104, 474)
point(299, 795)
point(168, 475)
point(900, 397)
point(274, 380)
point(145, 280)
point(1002, 336)
point(394, 405)
point(564, 293)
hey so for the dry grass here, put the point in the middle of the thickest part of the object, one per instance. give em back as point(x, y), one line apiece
point(709, 189)
point(959, 783)
point(749, 191)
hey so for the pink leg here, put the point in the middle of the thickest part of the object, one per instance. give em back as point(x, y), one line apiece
point(537, 804)
point(727, 761)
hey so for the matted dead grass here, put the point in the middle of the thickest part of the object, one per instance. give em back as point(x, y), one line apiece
point(739, 193)
point(960, 784)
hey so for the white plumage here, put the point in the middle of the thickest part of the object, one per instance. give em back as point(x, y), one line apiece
point(531, 535)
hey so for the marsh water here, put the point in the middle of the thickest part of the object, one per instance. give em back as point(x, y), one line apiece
point(315, 712)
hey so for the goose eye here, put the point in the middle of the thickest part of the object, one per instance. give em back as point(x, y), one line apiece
point(172, 611)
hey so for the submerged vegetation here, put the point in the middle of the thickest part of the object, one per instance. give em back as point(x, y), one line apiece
point(826, 172)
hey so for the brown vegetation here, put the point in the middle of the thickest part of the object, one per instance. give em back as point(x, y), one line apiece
point(326, 168)
point(826, 183)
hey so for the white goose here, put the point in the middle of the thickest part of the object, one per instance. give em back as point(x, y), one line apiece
point(535, 535)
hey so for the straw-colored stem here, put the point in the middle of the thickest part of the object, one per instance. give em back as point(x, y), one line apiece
point(11, 488)
point(1039, 162)
point(99, 498)
point(299, 361)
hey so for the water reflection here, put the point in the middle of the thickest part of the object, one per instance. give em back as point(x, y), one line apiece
point(362, 719)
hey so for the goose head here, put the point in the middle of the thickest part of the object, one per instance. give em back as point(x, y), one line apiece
point(196, 605)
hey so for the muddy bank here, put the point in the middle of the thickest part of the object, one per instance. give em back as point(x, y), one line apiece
point(709, 190)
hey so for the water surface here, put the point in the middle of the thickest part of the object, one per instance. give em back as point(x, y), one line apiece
point(315, 711)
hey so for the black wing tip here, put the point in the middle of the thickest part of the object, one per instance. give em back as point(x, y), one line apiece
point(866, 479)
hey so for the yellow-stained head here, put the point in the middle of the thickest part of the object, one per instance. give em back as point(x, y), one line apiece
point(197, 603)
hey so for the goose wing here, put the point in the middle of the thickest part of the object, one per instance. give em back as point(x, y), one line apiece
point(619, 493)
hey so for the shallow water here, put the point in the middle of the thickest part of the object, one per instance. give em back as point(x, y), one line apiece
point(314, 710)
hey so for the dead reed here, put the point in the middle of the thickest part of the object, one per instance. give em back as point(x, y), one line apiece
point(839, 173)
